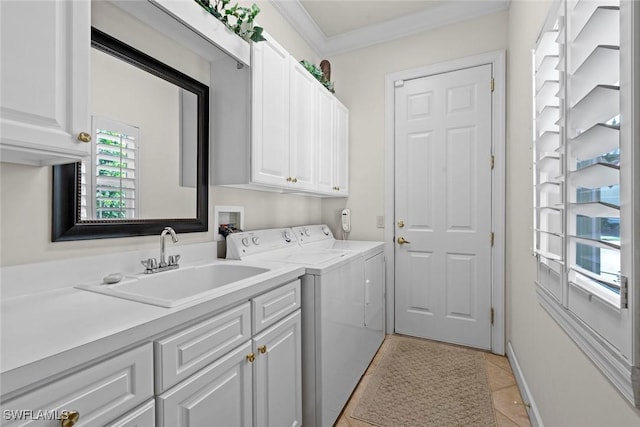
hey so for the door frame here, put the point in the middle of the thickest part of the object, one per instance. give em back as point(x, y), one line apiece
point(498, 207)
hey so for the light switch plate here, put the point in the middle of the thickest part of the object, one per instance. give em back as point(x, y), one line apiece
point(380, 221)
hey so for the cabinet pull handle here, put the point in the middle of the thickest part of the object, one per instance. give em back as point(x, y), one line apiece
point(69, 418)
point(84, 137)
point(251, 357)
point(262, 349)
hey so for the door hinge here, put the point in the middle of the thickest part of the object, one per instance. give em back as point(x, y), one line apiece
point(492, 238)
point(493, 315)
point(493, 84)
point(493, 161)
point(624, 292)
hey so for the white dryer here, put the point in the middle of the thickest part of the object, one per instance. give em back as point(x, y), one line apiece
point(342, 309)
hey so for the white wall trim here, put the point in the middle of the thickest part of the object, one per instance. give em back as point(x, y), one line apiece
point(527, 397)
point(610, 362)
point(444, 14)
point(498, 60)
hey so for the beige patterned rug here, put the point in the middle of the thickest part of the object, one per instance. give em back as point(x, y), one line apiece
point(425, 383)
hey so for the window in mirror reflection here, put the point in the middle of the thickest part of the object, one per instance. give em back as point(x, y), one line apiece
point(109, 189)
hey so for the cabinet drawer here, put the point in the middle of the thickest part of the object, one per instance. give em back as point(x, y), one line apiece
point(99, 393)
point(184, 353)
point(144, 416)
point(272, 306)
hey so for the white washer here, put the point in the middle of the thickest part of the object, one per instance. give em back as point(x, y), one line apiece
point(342, 309)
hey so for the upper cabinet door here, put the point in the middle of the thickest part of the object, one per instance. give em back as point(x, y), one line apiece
point(325, 105)
point(302, 128)
point(270, 109)
point(44, 105)
point(342, 150)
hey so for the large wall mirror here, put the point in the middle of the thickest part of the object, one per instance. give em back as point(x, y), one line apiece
point(149, 166)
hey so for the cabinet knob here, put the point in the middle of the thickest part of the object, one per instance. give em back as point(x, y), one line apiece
point(262, 349)
point(84, 137)
point(251, 357)
point(294, 180)
point(69, 418)
point(288, 179)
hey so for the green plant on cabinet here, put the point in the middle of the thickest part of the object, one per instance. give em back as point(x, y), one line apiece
point(239, 19)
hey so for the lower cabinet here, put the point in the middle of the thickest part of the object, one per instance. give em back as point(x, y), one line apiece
point(239, 368)
point(259, 383)
point(277, 380)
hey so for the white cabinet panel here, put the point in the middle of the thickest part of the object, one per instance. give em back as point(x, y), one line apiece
point(45, 81)
point(219, 394)
point(270, 109)
point(144, 416)
point(303, 134)
point(278, 374)
point(99, 393)
point(342, 150)
point(189, 350)
point(272, 306)
point(325, 108)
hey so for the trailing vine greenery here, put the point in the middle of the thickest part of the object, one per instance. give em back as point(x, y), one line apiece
point(238, 19)
point(318, 74)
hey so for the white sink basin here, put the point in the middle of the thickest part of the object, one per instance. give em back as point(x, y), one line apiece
point(176, 287)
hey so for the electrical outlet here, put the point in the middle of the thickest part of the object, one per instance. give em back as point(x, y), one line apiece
point(380, 221)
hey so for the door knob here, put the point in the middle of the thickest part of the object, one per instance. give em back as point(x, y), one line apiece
point(402, 241)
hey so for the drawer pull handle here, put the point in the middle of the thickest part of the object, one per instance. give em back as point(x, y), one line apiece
point(262, 349)
point(251, 357)
point(69, 418)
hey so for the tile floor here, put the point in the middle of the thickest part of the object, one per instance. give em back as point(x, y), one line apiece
point(507, 402)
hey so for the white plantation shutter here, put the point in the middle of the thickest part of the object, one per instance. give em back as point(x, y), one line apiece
point(585, 158)
point(111, 186)
point(548, 159)
point(593, 149)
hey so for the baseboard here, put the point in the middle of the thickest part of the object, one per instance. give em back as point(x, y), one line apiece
point(527, 397)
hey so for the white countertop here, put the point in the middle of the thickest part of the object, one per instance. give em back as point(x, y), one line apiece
point(48, 332)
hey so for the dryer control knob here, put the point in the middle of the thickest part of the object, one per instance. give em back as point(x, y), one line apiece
point(245, 241)
point(287, 236)
point(255, 240)
point(307, 232)
point(326, 230)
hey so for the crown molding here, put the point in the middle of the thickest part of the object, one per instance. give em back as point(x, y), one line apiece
point(438, 16)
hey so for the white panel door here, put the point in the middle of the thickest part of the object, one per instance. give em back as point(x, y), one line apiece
point(270, 109)
point(325, 106)
point(278, 374)
point(342, 150)
point(220, 394)
point(443, 207)
point(303, 135)
point(44, 101)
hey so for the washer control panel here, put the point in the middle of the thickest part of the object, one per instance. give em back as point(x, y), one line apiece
point(255, 242)
point(313, 233)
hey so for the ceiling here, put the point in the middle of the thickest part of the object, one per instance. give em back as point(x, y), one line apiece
point(333, 27)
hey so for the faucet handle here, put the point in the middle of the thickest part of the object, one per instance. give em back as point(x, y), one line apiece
point(150, 263)
point(173, 259)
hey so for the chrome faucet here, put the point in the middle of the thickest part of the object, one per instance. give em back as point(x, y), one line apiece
point(167, 230)
point(152, 265)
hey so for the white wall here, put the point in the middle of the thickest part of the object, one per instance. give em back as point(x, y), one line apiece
point(359, 82)
point(25, 195)
point(567, 388)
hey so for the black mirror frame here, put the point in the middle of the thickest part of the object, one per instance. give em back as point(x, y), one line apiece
point(67, 225)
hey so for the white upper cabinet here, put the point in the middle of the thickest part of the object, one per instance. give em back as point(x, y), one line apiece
point(44, 104)
point(302, 127)
point(341, 159)
point(270, 111)
point(333, 144)
point(299, 132)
